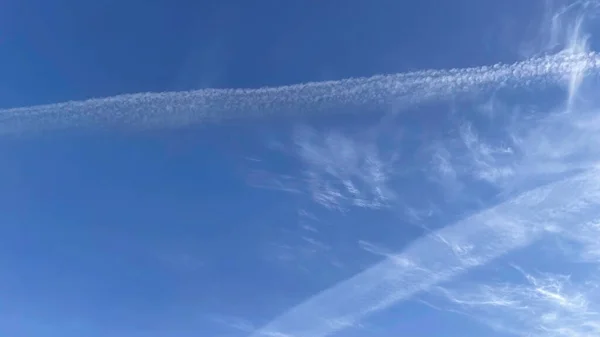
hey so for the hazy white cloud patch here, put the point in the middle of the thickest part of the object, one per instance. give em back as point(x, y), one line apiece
point(524, 146)
point(232, 322)
point(269, 180)
point(537, 303)
point(302, 246)
point(335, 169)
point(489, 162)
point(342, 172)
point(472, 157)
point(514, 142)
point(580, 243)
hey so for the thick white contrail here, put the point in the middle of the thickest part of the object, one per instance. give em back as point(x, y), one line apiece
point(443, 255)
point(166, 110)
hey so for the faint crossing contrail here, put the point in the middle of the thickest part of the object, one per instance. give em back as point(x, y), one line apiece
point(443, 255)
point(176, 109)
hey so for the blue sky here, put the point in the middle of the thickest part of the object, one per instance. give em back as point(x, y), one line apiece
point(422, 203)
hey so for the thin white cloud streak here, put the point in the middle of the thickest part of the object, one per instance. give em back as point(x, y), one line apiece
point(443, 255)
point(545, 305)
point(176, 109)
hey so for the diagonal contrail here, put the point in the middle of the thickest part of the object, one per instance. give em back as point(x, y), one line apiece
point(443, 255)
point(175, 109)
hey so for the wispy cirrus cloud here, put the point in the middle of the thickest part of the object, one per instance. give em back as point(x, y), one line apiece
point(531, 142)
point(334, 169)
point(232, 322)
point(443, 255)
point(341, 172)
point(545, 304)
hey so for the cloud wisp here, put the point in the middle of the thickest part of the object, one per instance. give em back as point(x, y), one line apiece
point(341, 172)
point(545, 304)
point(443, 255)
point(178, 109)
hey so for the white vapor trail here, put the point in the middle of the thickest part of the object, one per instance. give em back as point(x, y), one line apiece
point(442, 255)
point(166, 110)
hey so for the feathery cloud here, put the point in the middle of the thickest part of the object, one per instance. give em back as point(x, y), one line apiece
point(443, 255)
point(543, 304)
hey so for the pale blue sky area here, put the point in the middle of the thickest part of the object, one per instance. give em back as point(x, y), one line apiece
point(230, 228)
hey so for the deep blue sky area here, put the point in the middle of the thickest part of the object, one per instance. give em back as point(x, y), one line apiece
point(217, 229)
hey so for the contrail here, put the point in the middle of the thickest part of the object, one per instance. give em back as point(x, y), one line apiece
point(177, 109)
point(443, 255)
